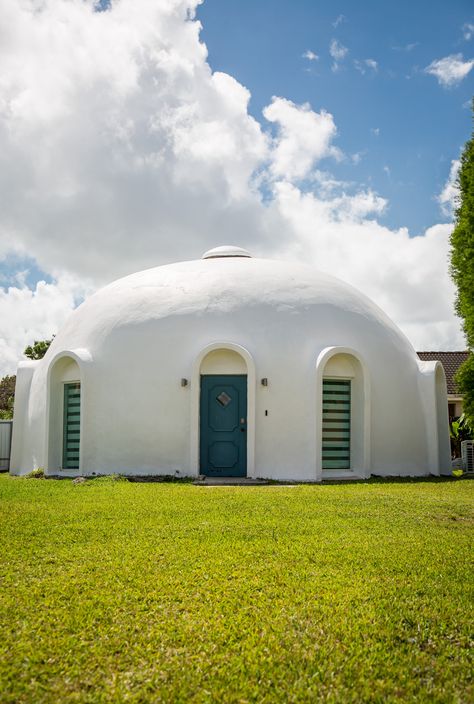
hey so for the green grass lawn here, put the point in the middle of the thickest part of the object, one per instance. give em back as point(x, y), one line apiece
point(121, 592)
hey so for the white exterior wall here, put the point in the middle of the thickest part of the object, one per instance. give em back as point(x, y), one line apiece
point(432, 384)
point(27, 451)
point(140, 336)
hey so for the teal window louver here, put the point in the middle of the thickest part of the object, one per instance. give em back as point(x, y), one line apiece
point(336, 449)
point(71, 425)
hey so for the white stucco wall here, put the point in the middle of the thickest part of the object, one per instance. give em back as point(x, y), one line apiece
point(432, 385)
point(27, 451)
point(138, 337)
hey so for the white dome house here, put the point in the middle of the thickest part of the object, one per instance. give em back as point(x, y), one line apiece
point(231, 366)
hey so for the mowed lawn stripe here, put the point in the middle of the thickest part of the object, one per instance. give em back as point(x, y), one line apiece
point(122, 592)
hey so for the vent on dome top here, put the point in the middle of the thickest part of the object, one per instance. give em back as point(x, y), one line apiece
point(225, 251)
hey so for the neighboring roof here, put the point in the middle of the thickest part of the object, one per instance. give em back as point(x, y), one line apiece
point(451, 362)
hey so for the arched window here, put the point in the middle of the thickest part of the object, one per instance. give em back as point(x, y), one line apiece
point(64, 437)
point(71, 425)
point(343, 417)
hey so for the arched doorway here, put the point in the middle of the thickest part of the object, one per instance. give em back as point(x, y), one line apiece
point(223, 415)
point(223, 411)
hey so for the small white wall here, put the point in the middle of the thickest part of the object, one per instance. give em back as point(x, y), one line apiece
point(442, 422)
point(64, 370)
point(22, 441)
point(432, 385)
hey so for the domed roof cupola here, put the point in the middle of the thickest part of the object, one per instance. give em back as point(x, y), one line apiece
point(226, 250)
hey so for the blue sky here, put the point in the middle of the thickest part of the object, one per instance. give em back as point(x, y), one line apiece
point(153, 130)
point(403, 124)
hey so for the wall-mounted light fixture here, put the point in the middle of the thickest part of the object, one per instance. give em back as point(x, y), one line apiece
point(264, 381)
point(184, 382)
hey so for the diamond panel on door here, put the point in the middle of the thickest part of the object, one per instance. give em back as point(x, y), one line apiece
point(223, 408)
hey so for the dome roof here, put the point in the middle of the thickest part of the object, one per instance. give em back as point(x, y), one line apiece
point(226, 280)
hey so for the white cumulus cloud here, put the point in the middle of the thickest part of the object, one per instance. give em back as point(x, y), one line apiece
point(27, 315)
point(338, 52)
point(338, 20)
point(116, 136)
point(304, 137)
point(406, 47)
point(365, 65)
point(451, 70)
point(468, 31)
point(448, 196)
point(407, 276)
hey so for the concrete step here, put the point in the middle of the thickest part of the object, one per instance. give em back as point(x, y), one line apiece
point(341, 477)
point(229, 481)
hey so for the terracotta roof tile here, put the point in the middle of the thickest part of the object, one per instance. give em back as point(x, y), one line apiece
point(451, 362)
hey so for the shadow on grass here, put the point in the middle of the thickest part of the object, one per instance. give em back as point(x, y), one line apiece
point(397, 480)
point(171, 479)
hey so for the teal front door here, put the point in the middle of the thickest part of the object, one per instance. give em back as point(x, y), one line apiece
point(223, 437)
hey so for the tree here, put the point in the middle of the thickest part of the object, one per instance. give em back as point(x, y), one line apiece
point(465, 383)
point(7, 395)
point(462, 271)
point(38, 349)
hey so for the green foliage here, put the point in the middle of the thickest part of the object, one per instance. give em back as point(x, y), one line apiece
point(38, 349)
point(37, 473)
point(462, 270)
point(7, 396)
point(465, 384)
point(129, 592)
point(460, 430)
point(107, 478)
point(462, 243)
point(7, 413)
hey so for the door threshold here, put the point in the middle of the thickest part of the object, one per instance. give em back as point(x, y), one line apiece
point(229, 481)
point(341, 476)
